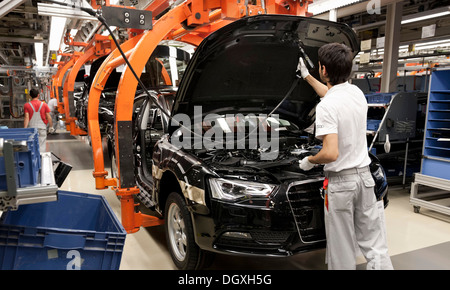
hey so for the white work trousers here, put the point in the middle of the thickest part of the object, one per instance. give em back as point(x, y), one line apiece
point(37, 122)
point(353, 219)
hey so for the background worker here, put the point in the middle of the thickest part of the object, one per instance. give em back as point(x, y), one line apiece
point(351, 211)
point(53, 105)
point(37, 115)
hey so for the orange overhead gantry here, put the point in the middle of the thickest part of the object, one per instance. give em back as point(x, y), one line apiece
point(190, 22)
point(99, 45)
point(60, 77)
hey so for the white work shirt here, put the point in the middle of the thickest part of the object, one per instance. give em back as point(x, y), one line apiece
point(343, 110)
point(52, 104)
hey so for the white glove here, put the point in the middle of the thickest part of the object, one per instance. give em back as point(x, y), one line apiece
point(305, 164)
point(302, 68)
point(51, 130)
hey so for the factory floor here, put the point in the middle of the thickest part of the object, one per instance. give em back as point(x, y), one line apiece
point(416, 241)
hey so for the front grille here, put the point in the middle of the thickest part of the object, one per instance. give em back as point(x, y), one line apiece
point(270, 236)
point(260, 242)
point(307, 208)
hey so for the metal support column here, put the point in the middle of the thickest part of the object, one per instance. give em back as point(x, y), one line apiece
point(392, 40)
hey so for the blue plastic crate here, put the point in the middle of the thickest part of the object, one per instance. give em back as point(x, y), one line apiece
point(79, 231)
point(379, 98)
point(372, 125)
point(27, 163)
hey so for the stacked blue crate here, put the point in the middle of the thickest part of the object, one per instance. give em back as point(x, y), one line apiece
point(27, 163)
point(372, 124)
point(79, 231)
point(379, 98)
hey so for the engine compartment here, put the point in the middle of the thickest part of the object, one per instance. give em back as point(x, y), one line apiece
point(246, 164)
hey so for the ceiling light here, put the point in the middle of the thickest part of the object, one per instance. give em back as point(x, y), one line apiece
point(106, 32)
point(436, 42)
point(327, 5)
point(57, 27)
point(73, 32)
point(62, 11)
point(439, 12)
point(39, 52)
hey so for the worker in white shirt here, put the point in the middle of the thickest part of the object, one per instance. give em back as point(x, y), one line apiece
point(53, 106)
point(351, 211)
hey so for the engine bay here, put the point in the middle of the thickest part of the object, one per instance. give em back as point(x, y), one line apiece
point(247, 164)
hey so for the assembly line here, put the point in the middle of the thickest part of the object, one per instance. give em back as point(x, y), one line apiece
point(224, 134)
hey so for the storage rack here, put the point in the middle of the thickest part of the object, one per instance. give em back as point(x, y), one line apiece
point(45, 188)
point(435, 167)
point(397, 125)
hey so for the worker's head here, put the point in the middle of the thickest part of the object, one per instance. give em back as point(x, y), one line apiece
point(335, 63)
point(34, 93)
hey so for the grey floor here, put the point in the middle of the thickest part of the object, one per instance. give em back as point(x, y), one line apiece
point(416, 241)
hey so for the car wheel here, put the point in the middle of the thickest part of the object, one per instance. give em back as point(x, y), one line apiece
point(180, 236)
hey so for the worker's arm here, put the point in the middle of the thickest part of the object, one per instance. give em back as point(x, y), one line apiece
point(320, 88)
point(26, 120)
point(329, 152)
point(49, 119)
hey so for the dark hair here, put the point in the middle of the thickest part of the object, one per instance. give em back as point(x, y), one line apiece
point(34, 93)
point(338, 61)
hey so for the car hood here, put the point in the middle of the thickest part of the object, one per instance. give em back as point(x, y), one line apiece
point(249, 66)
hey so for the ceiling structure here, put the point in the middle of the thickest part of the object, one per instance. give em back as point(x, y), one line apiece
point(414, 47)
point(20, 28)
point(22, 24)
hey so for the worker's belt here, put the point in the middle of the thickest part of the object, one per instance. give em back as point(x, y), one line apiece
point(347, 171)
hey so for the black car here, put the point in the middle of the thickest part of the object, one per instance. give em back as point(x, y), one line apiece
point(156, 74)
point(240, 194)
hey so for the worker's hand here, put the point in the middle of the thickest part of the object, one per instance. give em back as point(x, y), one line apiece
point(301, 67)
point(305, 164)
point(51, 130)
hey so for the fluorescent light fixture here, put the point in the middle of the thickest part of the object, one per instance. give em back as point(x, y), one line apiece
point(439, 12)
point(58, 24)
point(426, 17)
point(61, 11)
point(106, 32)
point(440, 42)
point(39, 52)
point(73, 32)
point(327, 5)
point(432, 46)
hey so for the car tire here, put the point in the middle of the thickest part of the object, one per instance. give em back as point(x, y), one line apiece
point(180, 236)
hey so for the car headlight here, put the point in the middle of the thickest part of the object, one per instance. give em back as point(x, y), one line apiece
point(234, 189)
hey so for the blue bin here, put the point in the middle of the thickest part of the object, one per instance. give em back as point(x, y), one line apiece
point(79, 231)
point(27, 163)
point(373, 125)
point(379, 98)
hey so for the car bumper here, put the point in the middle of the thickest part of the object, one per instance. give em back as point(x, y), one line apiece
point(288, 222)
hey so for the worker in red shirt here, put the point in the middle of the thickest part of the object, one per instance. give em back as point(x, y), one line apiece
point(38, 120)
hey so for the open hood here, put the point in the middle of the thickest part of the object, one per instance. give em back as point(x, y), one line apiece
point(249, 66)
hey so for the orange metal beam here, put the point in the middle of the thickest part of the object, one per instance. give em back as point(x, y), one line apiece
point(98, 84)
point(98, 46)
point(70, 120)
point(60, 79)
